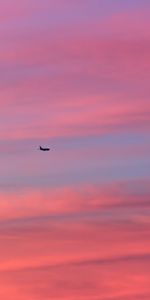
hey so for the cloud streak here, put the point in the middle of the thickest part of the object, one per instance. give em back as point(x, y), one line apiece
point(62, 201)
point(92, 250)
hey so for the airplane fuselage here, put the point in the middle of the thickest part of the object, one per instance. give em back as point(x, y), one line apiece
point(44, 149)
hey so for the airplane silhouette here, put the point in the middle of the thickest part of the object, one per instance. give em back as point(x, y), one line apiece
point(43, 149)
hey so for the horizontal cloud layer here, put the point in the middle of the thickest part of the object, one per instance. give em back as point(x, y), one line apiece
point(96, 260)
point(62, 201)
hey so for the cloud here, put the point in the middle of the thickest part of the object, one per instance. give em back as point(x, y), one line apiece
point(62, 201)
point(96, 260)
point(16, 11)
point(100, 115)
point(133, 23)
point(74, 82)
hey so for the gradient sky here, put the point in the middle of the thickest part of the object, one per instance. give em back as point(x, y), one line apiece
point(75, 222)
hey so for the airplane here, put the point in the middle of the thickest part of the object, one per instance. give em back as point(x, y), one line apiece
point(43, 149)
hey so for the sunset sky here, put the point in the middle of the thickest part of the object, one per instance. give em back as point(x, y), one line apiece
point(75, 221)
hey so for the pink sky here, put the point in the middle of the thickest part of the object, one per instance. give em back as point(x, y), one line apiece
point(74, 222)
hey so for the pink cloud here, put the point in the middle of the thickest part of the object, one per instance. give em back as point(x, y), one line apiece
point(16, 10)
point(55, 63)
point(97, 115)
point(102, 57)
point(130, 23)
point(97, 261)
point(60, 201)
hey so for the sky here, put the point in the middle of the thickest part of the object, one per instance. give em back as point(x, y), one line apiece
point(75, 221)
